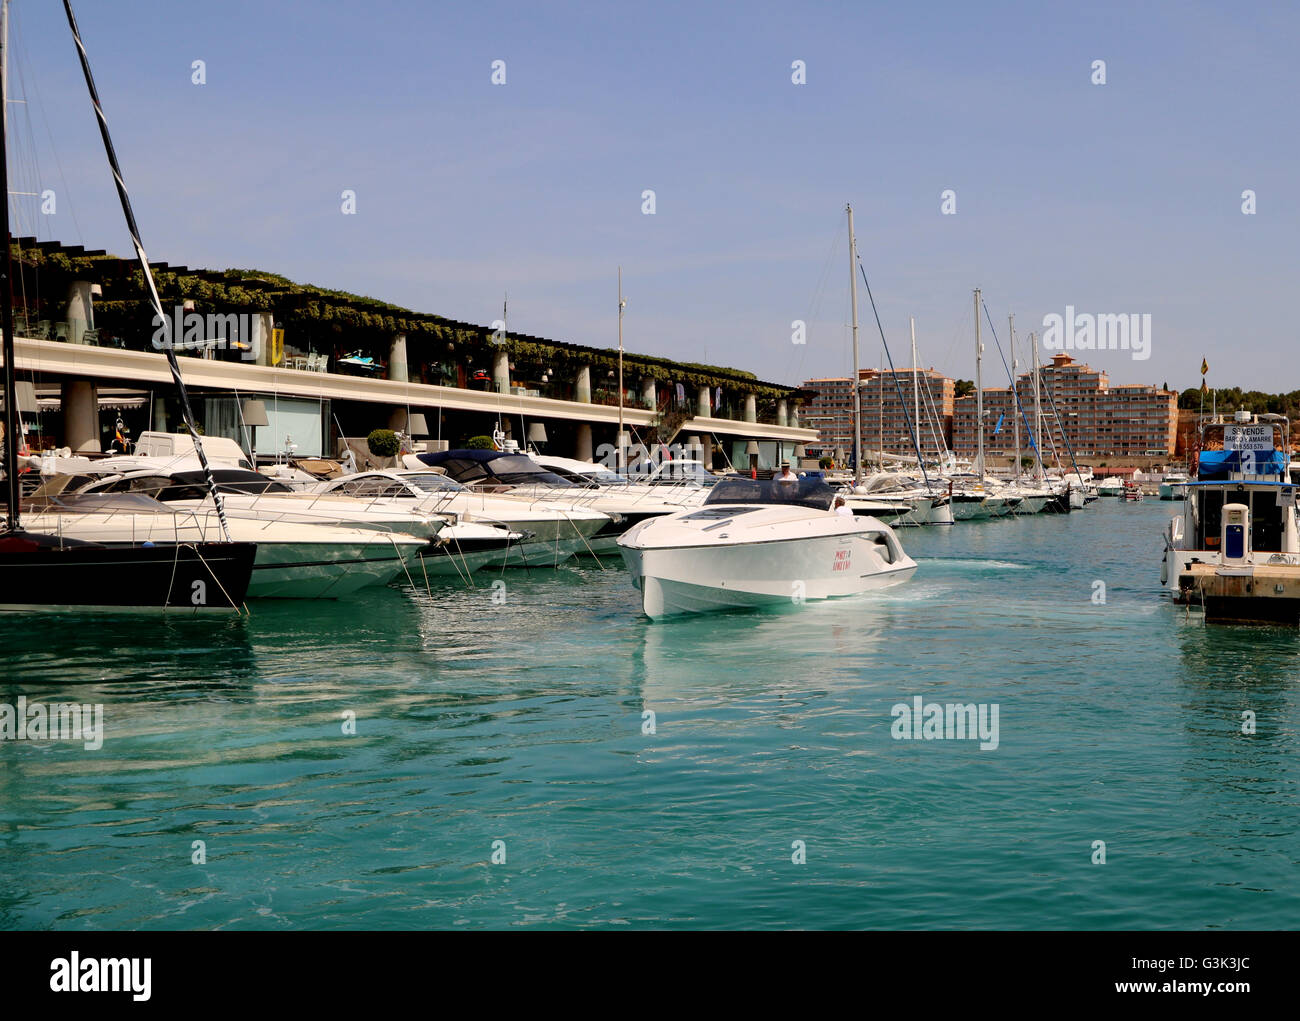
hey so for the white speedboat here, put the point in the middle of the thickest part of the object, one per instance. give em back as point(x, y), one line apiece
point(1110, 486)
point(760, 544)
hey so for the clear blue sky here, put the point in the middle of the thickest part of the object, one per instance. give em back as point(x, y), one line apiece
point(1117, 198)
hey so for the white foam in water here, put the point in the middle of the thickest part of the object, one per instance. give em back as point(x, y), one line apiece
point(1000, 565)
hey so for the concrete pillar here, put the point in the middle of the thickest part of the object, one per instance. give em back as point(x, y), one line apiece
point(782, 413)
point(159, 415)
point(706, 449)
point(751, 408)
point(649, 394)
point(262, 323)
point(582, 446)
point(501, 371)
point(81, 416)
point(397, 369)
point(81, 311)
point(794, 416)
point(582, 388)
point(704, 403)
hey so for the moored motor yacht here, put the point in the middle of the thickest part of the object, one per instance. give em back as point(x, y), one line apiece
point(757, 544)
point(293, 560)
point(516, 475)
point(552, 531)
point(1235, 548)
point(250, 494)
point(1174, 486)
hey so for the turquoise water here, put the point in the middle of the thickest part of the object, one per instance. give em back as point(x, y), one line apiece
point(522, 722)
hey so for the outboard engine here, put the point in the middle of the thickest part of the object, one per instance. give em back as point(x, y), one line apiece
point(1234, 538)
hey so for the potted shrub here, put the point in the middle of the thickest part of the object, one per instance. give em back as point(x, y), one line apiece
point(383, 443)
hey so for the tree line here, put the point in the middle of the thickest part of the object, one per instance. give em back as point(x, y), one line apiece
point(1236, 399)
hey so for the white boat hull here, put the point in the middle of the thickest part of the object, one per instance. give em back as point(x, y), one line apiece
point(969, 510)
point(1031, 505)
point(941, 514)
point(699, 579)
point(293, 561)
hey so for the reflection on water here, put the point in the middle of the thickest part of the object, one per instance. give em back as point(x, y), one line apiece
point(350, 764)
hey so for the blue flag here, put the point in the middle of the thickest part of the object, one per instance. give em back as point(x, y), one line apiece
point(998, 428)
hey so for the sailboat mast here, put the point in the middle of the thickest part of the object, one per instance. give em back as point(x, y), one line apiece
point(979, 388)
point(916, 391)
point(622, 453)
point(13, 417)
point(880, 406)
point(1038, 407)
point(1015, 389)
point(857, 393)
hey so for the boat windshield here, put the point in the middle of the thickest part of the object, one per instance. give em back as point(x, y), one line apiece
point(595, 477)
point(673, 472)
point(232, 480)
point(812, 493)
point(99, 503)
point(432, 482)
point(508, 470)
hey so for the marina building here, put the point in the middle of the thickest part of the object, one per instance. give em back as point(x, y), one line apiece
point(889, 402)
point(327, 365)
point(1097, 419)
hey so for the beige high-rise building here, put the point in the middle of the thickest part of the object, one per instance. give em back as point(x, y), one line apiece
point(1130, 420)
point(889, 402)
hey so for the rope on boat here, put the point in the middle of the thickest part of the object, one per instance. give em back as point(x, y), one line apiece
point(398, 550)
point(213, 574)
point(594, 554)
point(425, 569)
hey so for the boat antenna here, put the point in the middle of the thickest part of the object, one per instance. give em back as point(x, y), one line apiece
point(169, 347)
point(13, 418)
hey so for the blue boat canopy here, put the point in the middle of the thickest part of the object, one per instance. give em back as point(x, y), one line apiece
point(1214, 465)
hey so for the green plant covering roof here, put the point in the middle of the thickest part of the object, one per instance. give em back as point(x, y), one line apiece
point(306, 308)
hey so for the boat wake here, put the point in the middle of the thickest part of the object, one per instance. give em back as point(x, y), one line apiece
point(996, 565)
